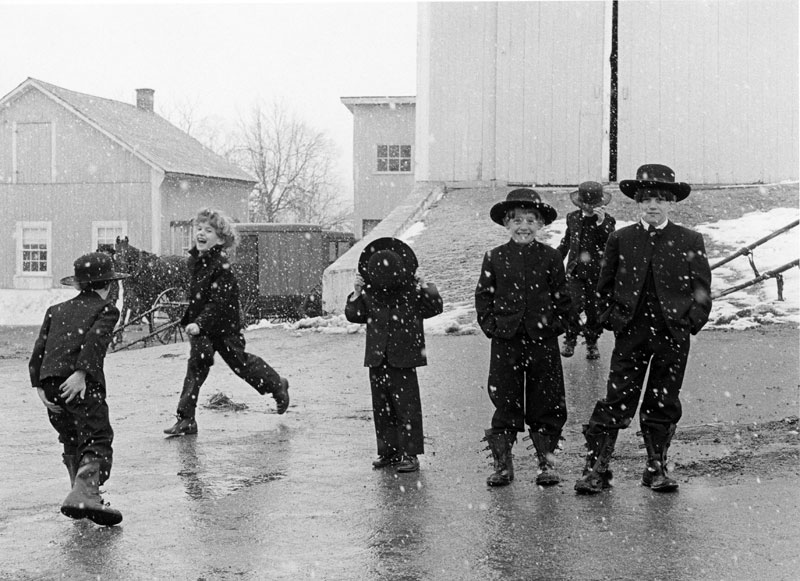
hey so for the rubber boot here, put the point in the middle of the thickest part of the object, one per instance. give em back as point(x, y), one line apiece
point(84, 501)
point(545, 445)
point(71, 462)
point(655, 473)
point(281, 396)
point(182, 427)
point(500, 445)
point(600, 444)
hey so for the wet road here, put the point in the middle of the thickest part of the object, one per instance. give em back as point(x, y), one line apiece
point(260, 496)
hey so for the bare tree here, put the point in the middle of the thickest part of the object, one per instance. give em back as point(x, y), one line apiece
point(293, 164)
point(211, 131)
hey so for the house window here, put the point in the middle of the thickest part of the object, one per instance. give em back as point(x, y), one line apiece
point(180, 237)
point(33, 153)
point(394, 158)
point(107, 232)
point(34, 263)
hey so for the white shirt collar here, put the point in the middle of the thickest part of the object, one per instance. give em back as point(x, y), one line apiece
point(661, 226)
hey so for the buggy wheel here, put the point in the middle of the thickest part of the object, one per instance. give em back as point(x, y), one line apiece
point(166, 312)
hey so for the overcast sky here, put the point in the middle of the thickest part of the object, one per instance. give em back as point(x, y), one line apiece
point(220, 57)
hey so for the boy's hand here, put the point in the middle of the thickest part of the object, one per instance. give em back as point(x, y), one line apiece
point(193, 329)
point(600, 212)
point(359, 284)
point(421, 281)
point(47, 403)
point(74, 385)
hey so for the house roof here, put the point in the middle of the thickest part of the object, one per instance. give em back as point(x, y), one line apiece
point(351, 102)
point(146, 134)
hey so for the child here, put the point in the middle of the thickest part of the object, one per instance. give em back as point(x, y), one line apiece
point(655, 284)
point(213, 323)
point(584, 241)
point(66, 368)
point(522, 304)
point(392, 302)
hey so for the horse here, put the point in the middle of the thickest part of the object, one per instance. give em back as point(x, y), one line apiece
point(149, 276)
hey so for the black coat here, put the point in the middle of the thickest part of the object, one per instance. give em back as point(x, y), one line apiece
point(680, 271)
point(394, 328)
point(75, 335)
point(595, 242)
point(213, 294)
point(522, 285)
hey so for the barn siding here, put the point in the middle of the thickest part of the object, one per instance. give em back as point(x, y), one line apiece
point(710, 88)
point(71, 209)
point(712, 91)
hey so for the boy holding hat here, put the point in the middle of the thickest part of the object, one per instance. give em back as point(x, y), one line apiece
point(522, 304)
point(66, 368)
point(583, 244)
point(393, 301)
point(655, 286)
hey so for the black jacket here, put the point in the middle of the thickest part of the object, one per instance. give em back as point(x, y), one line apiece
point(213, 294)
point(75, 335)
point(522, 285)
point(595, 238)
point(680, 271)
point(394, 328)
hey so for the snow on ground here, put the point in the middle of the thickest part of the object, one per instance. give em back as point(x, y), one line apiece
point(750, 307)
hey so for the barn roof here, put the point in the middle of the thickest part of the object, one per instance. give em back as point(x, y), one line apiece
point(144, 133)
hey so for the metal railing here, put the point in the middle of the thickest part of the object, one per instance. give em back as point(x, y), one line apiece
point(759, 277)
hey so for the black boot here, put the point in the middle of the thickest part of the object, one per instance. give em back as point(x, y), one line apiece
point(545, 445)
point(281, 396)
point(183, 427)
point(71, 462)
point(500, 444)
point(568, 350)
point(596, 474)
point(84, 500)
point(657, 440)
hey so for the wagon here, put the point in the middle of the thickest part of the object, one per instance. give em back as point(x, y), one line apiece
point(162, 320)
point(279, 268)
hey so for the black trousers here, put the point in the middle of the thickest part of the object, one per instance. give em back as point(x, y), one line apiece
point(526, 385)
point(251, 368)
point(396, 410)
point(583, 293)
point(645, 344)
point(83, 426)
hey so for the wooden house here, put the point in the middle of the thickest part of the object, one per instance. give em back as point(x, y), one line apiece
point(383, 156)
point(78, 170)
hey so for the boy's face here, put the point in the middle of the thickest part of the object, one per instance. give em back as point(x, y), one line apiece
point(523, 225)
point(205, 237)
point(654, 206)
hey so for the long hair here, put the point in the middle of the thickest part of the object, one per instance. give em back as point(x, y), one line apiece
point(222, 224)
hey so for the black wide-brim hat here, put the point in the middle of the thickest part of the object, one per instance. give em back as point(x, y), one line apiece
point(591, 193)
point(385, 261)
point(93, 267)
point(656, 176)
point(522, 198)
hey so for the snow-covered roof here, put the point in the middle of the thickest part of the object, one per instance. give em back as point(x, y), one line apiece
point(146, 134)
point(351, 102)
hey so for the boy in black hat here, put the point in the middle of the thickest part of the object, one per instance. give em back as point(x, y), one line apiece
point(213, 322)
point(66, 368)
point(655, 284)
point(392, 301)
point(583, 245)
point(522, 304)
